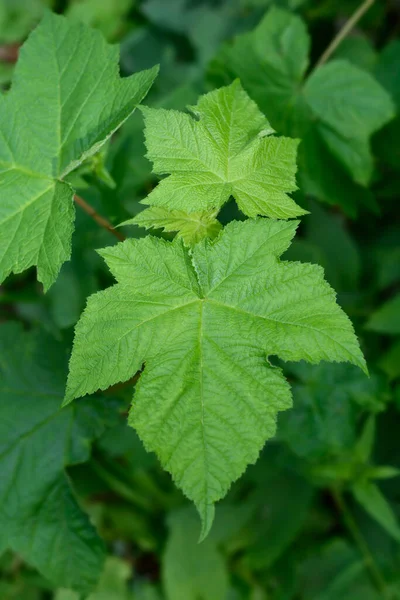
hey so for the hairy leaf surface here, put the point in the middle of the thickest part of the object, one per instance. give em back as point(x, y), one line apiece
point(65, 101)
point(223, 149)
point(204, 323)
point(40, 518)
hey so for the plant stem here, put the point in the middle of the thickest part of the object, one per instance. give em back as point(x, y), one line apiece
point(374, 570)
point(347, 27)
point(98, 218)
point(119, 487)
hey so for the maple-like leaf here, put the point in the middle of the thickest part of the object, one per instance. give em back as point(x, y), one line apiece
point(224, 148)
point(66, 100)
point(204, 323)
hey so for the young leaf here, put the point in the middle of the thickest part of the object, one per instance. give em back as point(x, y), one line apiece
point(191, 227)
point(204, 324)
point(40, 518)
point(224, 149)
point(66, 100)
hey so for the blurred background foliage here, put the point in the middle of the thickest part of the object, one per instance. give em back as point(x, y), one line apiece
point(317, 518)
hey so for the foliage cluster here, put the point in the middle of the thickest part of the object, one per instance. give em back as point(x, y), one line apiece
point(255, 159)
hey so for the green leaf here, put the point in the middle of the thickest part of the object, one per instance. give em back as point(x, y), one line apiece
point(387, 318)
point(208, 397)
point(390, 361)
point(191, 570)
point(191, 227)
point(285, 499)
point(339, 102)
point(66, 100)
point(270, 62)
point(224, 149)
point(40, 518)
point(387, 70)
point(365, 444)
point(17, 17)
point(113, 583)
point(359, 51)
point(109, 16)
point(375, 504)
point(322, 423)
point(351, 106)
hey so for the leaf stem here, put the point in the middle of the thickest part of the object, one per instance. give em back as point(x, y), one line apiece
point(98, 218)
point(371, 565)
point(347, 27)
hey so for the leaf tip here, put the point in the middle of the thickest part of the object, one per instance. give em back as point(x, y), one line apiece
point(207, 513)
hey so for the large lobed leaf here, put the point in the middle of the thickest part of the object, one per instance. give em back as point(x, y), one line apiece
point(66, 100)
point(204, 323)
point(40, 518)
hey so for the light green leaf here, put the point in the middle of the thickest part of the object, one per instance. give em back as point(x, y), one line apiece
point(40, 518)
point(387, 318)
point(351, 106)
point(374, 502)
point(208, 397)
point(66, 100)
point(191, 570)
point(223, 150)
point(191, 227)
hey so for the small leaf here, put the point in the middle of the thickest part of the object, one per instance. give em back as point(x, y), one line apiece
point(208, 397)
point(191, 227)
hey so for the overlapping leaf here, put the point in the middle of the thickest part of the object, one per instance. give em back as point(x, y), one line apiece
point(339, 106)
point(224, 148)
point(191, 227)
point(40, 518)
point(66, 100)
point(204, 323)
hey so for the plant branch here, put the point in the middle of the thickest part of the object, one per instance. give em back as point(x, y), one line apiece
point(347, 27)
point(374, 570)
point(98, 218)
point(9, 53)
